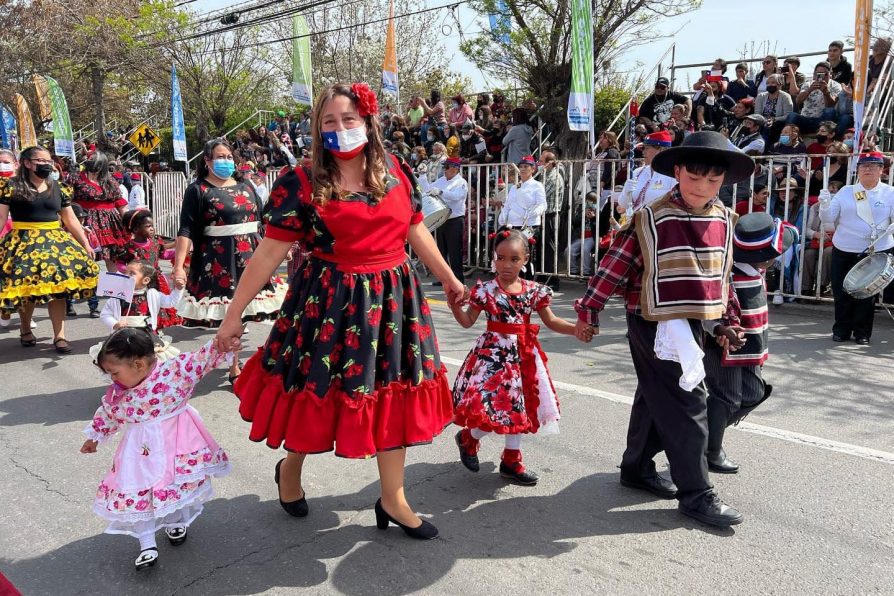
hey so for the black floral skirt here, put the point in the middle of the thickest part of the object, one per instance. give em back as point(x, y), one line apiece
point(43, 265)
point(351, 364)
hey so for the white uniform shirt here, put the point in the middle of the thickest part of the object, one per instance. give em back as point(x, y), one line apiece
point(123, 190)
point(453, 193)
point(525, 204)
point(137, 197)
point(644, 178)
point(852, 233)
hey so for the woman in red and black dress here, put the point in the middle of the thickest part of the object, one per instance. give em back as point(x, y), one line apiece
point(352, 363)
point(219, 219)
point(98, 194)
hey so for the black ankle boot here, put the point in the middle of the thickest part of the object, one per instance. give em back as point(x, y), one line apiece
point(718, 417)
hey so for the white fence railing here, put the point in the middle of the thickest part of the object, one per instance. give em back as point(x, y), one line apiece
point(569, 239)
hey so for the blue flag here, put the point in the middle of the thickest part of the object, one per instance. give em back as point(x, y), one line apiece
point(178, 127)
point(7, 123)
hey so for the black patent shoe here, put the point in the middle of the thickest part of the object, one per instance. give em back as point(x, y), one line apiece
point(146, 559)
point(469, 460)
point(426, 531)
point(712, 511)
point(656, 484)
point(720, 463)
point(297, 508)
point(525, 477)
point(862, 341)
point(840, 338)
point(176, 536)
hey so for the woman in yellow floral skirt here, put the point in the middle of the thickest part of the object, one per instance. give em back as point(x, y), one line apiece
point(40, 263)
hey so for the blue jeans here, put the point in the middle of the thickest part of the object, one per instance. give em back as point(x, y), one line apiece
point(808, 125)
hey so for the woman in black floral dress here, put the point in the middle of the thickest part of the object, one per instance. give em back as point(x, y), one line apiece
point(220, 218)
point(352, 363)
point(98, 194)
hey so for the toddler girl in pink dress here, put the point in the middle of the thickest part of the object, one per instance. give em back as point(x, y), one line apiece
point(161, 473)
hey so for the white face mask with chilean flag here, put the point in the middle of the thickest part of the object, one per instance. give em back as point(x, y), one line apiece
point(346, 144)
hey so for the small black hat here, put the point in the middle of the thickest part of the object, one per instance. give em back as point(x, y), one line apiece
point(759, 238)
point(710, 145)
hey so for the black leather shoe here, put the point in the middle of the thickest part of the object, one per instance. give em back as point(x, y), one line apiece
point(711, 510)
point(426, 531)
point(862, 341)
point(720, 463)
point(525, 478)
point(839, 338)
point(469, 460)
point(297, 508)
point(658, 485)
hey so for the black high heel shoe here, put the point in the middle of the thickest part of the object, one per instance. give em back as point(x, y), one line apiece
point(424, 532)
point(297, 508)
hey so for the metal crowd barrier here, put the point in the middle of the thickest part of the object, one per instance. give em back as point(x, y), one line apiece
point(581, 177)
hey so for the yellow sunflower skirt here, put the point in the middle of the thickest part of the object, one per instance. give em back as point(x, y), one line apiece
point(43, 265)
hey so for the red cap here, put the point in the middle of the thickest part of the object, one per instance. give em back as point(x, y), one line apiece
point(662, 138)
point(118, 176)
point(135, 176)
point(453, 162)
point(528, 160)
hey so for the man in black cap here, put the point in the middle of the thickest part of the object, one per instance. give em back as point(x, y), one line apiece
point(657, 107)
point(733, 363)
point(672, 264)
point(748, 136)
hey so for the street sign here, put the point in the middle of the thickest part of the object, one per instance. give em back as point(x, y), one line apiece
point(144, 139)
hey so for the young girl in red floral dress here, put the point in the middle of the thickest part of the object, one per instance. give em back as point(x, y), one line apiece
point(144, 245)
point(351, 364)
point(503, 386)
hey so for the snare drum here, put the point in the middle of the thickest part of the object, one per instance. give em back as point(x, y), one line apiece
point(870, 276)
point(434, 211)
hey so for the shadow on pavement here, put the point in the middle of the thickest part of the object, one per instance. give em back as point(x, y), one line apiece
point(244, 545)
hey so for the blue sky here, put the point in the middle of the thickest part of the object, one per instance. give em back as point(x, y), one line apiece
point(719, 28)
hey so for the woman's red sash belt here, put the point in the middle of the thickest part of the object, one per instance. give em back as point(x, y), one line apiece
point(368, 263)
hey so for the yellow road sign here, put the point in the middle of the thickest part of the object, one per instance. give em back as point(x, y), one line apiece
point(144, 139)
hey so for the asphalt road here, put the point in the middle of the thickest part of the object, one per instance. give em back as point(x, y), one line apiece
point(815, 486)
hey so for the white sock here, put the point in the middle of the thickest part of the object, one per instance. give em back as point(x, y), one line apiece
point(477, 433)
point(147, 541)
point(513, 442)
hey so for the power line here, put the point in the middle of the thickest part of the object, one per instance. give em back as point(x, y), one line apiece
point(352, 26)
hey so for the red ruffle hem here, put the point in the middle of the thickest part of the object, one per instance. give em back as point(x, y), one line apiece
point(397, 415)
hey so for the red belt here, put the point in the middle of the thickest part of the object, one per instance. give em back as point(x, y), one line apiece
point(97, 204)
point(527, 342)
point(369, 263)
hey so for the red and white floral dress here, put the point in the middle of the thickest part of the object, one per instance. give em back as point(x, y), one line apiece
point(352, 363)
point(161, 473)
point(100, 204)
point(504, 386)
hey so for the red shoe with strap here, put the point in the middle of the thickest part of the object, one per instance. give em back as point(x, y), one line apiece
point(512, 468)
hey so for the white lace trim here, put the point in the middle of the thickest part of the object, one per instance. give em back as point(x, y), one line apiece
point(215, 308)
point(548, 410)
point(181, 517)
point(123, 520)
point(674, 341)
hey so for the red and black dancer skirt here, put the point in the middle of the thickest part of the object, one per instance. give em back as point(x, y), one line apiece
point(351, 365)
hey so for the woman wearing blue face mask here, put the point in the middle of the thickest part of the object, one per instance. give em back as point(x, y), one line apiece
point(352, 364)
point(219, 220)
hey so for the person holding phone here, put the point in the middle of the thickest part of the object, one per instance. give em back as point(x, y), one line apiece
point(816, 100)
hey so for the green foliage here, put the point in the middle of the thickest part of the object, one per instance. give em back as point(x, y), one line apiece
point(608, 102)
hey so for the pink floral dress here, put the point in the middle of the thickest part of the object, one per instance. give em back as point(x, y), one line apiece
point(504, 385)
point(162, 470)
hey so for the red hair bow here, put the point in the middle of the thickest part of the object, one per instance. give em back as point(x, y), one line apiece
point(367, 103)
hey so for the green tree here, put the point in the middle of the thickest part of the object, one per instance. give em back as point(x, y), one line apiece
point(538, 51)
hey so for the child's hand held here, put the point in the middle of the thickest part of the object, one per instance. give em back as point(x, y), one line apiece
point(89, 446)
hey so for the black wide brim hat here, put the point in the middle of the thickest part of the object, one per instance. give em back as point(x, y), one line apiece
point(760, 238)
point(710, 147)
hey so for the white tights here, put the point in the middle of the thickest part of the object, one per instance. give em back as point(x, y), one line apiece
point(147, 540)
point(512, 441)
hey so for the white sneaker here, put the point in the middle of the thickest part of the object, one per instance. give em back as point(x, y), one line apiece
point(778, 299)
point(4, 323)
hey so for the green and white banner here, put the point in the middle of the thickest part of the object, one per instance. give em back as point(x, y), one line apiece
point(580, 100)
point(302, 91)
point(63, 138)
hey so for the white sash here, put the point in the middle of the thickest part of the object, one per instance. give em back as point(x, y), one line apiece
point(232, 229)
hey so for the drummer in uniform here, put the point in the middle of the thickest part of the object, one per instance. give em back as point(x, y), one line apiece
point(452, 189)
point(646, 185)
point(861, 214)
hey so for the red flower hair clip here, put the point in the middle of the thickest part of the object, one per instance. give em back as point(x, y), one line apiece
point(532, 240)
point(367, 102)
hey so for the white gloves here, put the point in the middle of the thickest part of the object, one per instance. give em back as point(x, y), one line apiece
point(825, 197)
point(435, 192)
